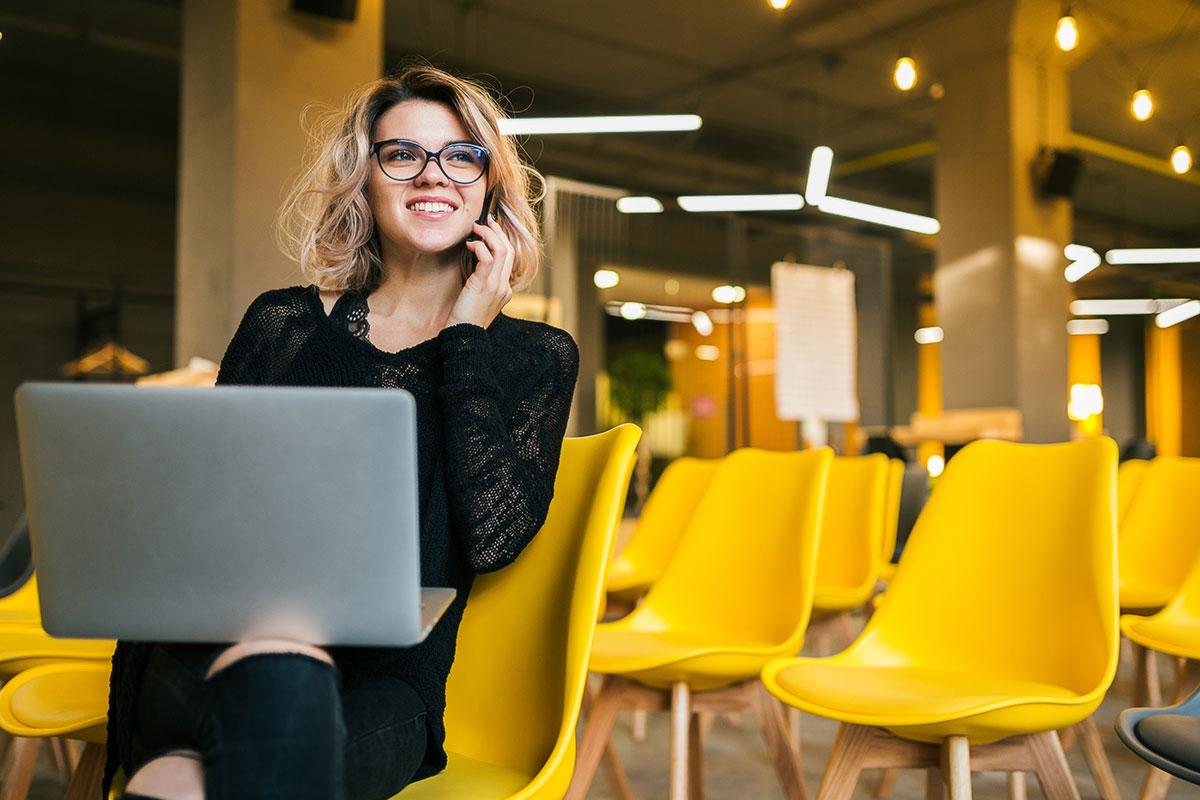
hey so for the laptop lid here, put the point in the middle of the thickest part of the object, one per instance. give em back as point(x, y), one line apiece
point(184, 514)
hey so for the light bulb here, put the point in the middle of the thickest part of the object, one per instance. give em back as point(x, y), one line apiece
point(1066, 34)
point(779, 5)
point(905, 76)
point(1181, 159)
point(1142, 105)
point(606, 278)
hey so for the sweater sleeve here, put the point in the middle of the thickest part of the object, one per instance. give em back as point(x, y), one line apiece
point(243, 359)
point(502, 452)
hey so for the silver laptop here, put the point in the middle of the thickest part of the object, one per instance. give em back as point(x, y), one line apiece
point(214, 515)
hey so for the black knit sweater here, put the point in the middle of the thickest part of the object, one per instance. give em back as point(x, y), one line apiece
point(492, 409)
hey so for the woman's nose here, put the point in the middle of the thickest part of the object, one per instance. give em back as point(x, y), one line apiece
point(431, 175)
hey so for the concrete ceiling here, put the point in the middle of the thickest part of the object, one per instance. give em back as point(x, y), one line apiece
point(769, 85)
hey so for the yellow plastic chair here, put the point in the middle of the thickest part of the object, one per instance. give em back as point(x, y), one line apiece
point(1130, 475)
point(1175, 630)
point(22, 606)
point(513, 697)
point(1158, 540)
point(58, 699)
point(666, 513)
point(1001, 623)
point(891, 525)
point(853, 530)
point(737, 593)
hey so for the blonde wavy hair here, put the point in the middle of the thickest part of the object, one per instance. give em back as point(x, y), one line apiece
point(326, 223)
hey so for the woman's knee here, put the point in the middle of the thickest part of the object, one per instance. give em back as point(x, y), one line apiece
point(254, 647)
point(178, 776)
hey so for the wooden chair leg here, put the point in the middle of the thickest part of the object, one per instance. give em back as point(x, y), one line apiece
point(85, 780)
point(596, 734)
point(785, 753)
point(1016, 786)
point(696, 757)
point(20, 770)
point(1097, 760)
point(1149, 688)
point(618, 781)
point(639, 726)
point(935, 787)
point(1155, 785)
point(6, 741)
point(58, 754)
point(845, 762)
point(794, 732)
point(681, 717)
point(956, 767)
point(887, 782)
point(1051, 765)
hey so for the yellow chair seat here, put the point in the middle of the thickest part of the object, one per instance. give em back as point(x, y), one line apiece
point(22, 606)
point(1146, 594)
point(921, 702)
point(23, 647)
point(829, 599)
point(57, 699)
point(626, 576)
point(1174, 636)
point(660, 658)
point(466, 777)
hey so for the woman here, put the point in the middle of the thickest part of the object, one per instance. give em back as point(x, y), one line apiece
point(380, 225)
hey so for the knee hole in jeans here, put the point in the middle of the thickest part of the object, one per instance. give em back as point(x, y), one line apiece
point(249, 649)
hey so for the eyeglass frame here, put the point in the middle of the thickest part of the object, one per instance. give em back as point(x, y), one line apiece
point(430, 155)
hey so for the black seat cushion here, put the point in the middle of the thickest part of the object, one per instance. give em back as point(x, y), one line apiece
point(1173, 736)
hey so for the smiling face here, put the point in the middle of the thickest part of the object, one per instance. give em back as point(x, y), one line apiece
point(430, 213)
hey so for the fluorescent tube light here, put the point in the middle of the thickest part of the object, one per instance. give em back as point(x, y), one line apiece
point(646, 123)
point(880, 215)
point(1083, 260)
point(639, 205)
point(1082, 327)
point(819, 167)
point(1098, 308)
point(741, 202)
point(1179, 313)
point(1154, 255)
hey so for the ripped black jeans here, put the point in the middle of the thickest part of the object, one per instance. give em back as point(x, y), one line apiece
point(279, 725)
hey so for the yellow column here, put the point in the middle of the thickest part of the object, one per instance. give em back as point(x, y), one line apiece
point(1083, 368)
point(1164, 389)
point(929, 373)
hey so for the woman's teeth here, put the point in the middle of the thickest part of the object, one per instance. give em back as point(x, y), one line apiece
point(431, 207)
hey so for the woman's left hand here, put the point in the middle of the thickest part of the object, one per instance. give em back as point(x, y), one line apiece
point(487, 289)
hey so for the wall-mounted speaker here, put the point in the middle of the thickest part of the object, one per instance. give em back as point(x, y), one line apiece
point(330, 9)
point(1056, 172)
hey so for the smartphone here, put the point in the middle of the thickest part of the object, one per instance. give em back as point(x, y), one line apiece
point(491, 202)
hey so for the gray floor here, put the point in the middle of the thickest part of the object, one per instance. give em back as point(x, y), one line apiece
point(736, 764)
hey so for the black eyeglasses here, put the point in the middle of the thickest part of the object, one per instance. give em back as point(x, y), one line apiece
point(402, 160)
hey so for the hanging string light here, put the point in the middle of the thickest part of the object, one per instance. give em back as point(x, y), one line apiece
point(1066, 33)
point(1181, 159)
point(1142, 105)
point(905, 74)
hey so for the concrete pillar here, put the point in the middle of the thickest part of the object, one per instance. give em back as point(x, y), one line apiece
point(249, 69)
point(999, 290)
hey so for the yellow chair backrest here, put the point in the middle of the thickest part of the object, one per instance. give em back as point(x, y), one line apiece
point(744, 567)
point(1011, 568)
point(1130, 475)
point(852, 525)
point(891, 514)
point(514, 691)
point(1159, 538)
point(664, 517)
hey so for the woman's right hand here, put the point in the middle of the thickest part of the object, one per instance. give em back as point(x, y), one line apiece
point(488, 289)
